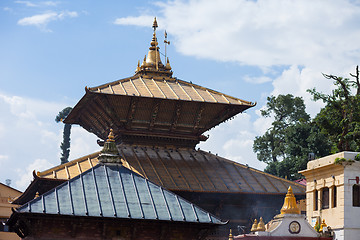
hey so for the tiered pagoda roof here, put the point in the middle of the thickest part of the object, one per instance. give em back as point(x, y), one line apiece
point(184, 169)
point(152, 106)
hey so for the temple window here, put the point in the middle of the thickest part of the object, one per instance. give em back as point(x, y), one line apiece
point(316, 199)
point(356, 195)
point(325, 198)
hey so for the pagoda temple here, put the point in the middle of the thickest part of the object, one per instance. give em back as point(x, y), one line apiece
point(157, 121)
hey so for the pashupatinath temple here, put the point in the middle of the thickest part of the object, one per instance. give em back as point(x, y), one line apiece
point(157, 120)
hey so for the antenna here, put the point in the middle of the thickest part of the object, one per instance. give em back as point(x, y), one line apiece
point(166, 43)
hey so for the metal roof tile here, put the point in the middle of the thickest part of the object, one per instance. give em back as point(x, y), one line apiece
point(114, 191)
point(189, 170)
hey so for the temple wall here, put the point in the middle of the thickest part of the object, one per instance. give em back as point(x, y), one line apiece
point(52, 229)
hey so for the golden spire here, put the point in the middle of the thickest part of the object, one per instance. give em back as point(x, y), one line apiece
point(290, 203)
point(155, 25)
point(37, 195)
point(152, 64)
point(254, 226)
point(138, 67)
point(261, 225)
point(230, 235)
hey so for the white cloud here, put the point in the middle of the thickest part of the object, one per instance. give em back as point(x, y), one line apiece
point(50, 3)
point(38, 4)
point(27, 3)
point(263, 33)
point(142, 21)
point(30, 137)
point(42, 20)
point(257, 80)
point(234, 140)
point(25, 174)
point(7, 9)
point(3, 158)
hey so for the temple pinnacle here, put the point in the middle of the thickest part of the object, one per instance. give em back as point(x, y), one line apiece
point(290, 203)
point(155, 25)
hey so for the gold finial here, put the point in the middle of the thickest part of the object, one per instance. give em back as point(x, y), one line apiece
point(254, 226)
point(290, 203)
point(111, 136)
point(230, 235)
point(138, 67)
point(152, 62)
point(323, 224)
point(155, 25)
point(37, 195)
point(168, 67)
point(261, 225)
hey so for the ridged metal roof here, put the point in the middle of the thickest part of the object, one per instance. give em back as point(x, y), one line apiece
point(166, 88)
point(185, 169)
point(114, 191)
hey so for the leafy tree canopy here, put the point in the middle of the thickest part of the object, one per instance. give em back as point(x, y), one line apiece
point(340, 118)
point(285, 146)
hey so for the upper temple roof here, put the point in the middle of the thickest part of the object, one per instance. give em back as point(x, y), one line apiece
point(166, 88)
point(152, 106)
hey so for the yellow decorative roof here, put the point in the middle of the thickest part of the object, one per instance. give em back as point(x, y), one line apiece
point(290, 203)
point(184, 169)
point(170, 88)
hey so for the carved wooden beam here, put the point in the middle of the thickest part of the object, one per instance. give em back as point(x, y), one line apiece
point(131, 113)
point(198, 116)
point(176, 116)
point(154, 112)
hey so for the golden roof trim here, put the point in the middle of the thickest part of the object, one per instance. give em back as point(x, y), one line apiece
point(67, 164)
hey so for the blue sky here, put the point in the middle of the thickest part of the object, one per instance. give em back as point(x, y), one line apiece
point(51, 50)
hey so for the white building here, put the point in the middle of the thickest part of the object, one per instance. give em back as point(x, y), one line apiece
point(333, 193)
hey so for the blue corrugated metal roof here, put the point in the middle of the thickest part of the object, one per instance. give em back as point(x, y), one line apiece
point(114, 191)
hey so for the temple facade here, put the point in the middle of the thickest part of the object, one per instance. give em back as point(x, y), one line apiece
point(157, 121)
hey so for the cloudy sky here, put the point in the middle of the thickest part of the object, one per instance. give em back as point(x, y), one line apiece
point(51, 50)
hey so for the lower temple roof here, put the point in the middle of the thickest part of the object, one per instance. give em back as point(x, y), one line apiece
point(184, 169)
point(113, 191)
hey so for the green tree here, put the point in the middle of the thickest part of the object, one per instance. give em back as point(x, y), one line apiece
point(65, 145)
point(340, 118)
point(285, 146)
point(287, 110)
